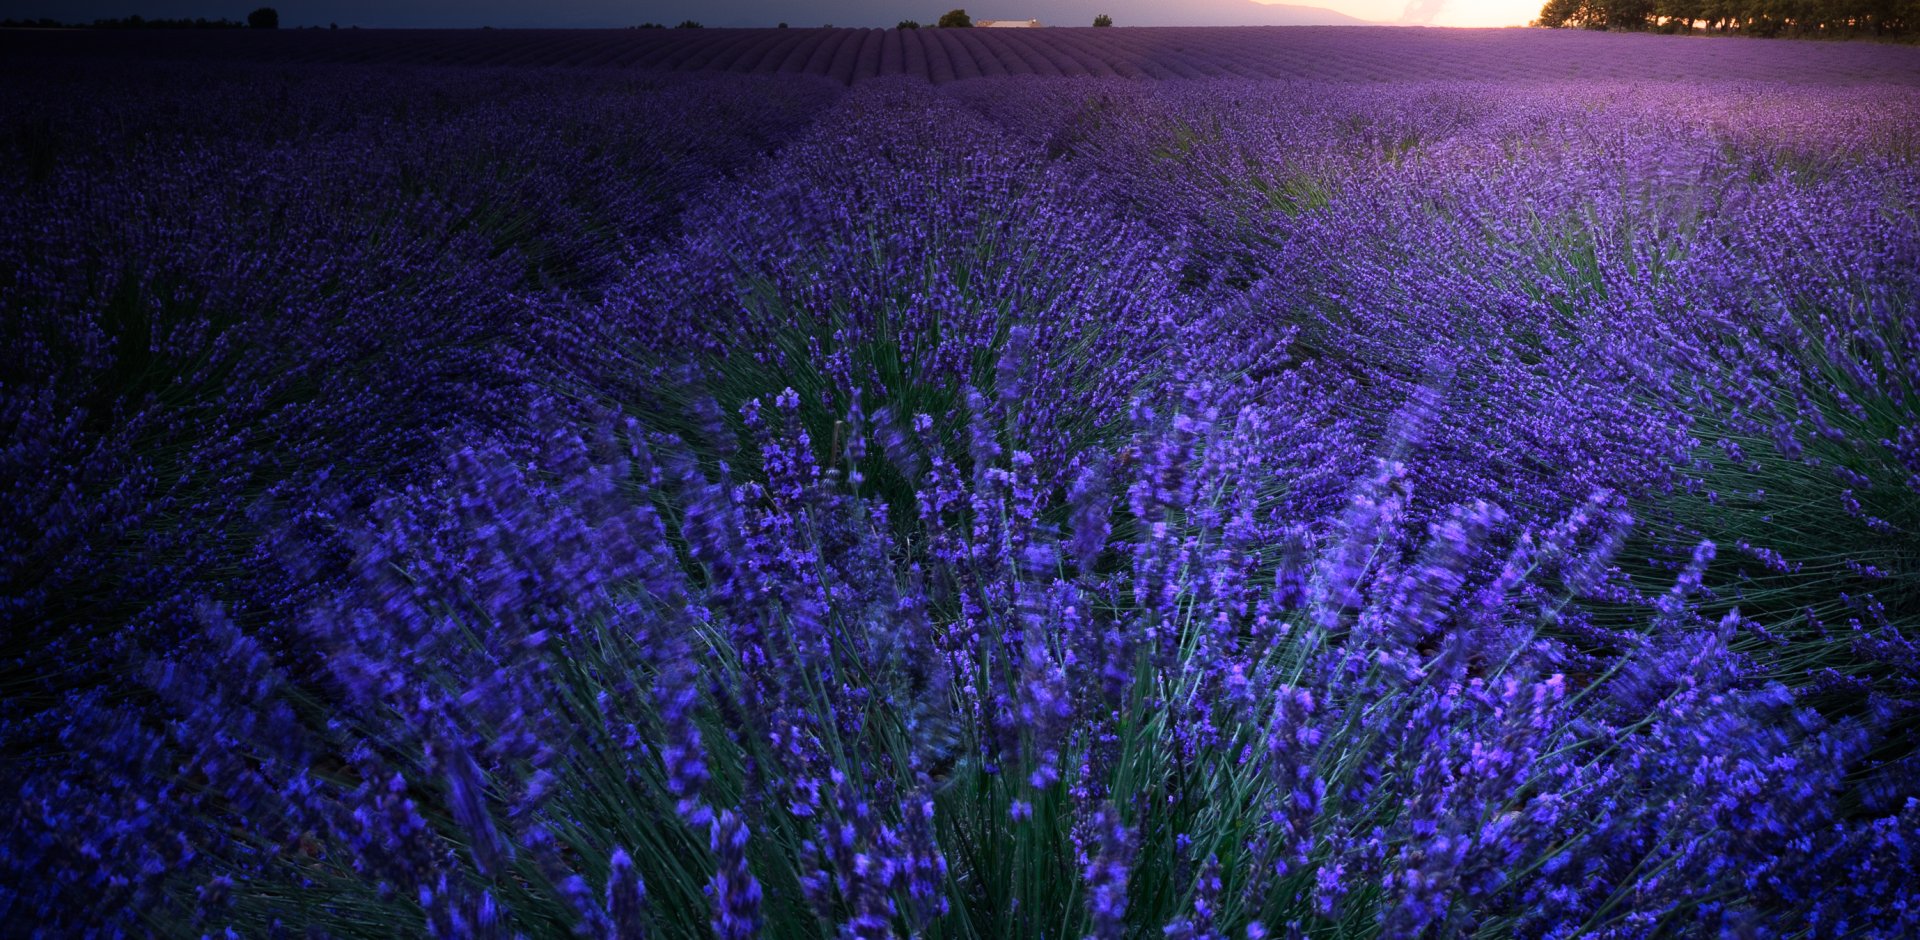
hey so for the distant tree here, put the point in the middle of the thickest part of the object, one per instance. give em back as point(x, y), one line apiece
point(1103, 20)
point(690, 24)
point(955, 18)
point(1837, 18)
point(1629, 14)
point(1678, 16)
point(333, 25)
point(1723, 15)
point(782, 25)
point(264, 18)
point(908, 24)
point(1576, 14)
point(651, 26)
point(141, 22)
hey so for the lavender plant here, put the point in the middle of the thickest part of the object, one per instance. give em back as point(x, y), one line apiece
point(653, 506)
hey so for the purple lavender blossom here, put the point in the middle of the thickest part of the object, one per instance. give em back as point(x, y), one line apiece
point(1115, 492)
point(735, 892)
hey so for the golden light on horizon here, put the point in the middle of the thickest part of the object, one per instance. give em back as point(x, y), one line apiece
point(1471, 13)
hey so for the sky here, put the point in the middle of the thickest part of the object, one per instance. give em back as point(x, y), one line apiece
point(601, 13)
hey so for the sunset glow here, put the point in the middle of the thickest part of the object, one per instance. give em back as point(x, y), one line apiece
point(1471, 13)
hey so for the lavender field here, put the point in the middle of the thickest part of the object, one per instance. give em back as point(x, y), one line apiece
point(1214, 484)
point(848, 56)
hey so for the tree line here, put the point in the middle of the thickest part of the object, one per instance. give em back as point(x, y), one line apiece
point(959, 19)
point(1823, 18)
point(263, 18)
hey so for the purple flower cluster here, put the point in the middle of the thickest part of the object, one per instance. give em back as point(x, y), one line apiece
point(523, 502)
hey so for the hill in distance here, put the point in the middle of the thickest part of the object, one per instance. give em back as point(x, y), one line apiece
point(1152, 13)
point(1048, 12)
point(617, 13)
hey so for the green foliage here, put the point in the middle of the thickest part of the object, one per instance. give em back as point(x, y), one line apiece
point(908, 24)
point(1820, 527)
point(1840, 18)
point(1103, 20)
point(955, 19)
point(689, 24)
point(264, 18)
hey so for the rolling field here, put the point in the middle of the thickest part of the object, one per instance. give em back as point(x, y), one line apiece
point(959, 484)
point(1318, 53)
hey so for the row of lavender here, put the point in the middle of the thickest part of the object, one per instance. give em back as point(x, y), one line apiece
point(240, 305)
point(945, 55)
point(1019, 509)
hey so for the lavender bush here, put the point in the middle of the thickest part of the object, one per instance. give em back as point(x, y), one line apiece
point(506, 502)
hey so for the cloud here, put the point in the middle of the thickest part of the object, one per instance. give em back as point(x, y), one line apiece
point(1422, 12)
